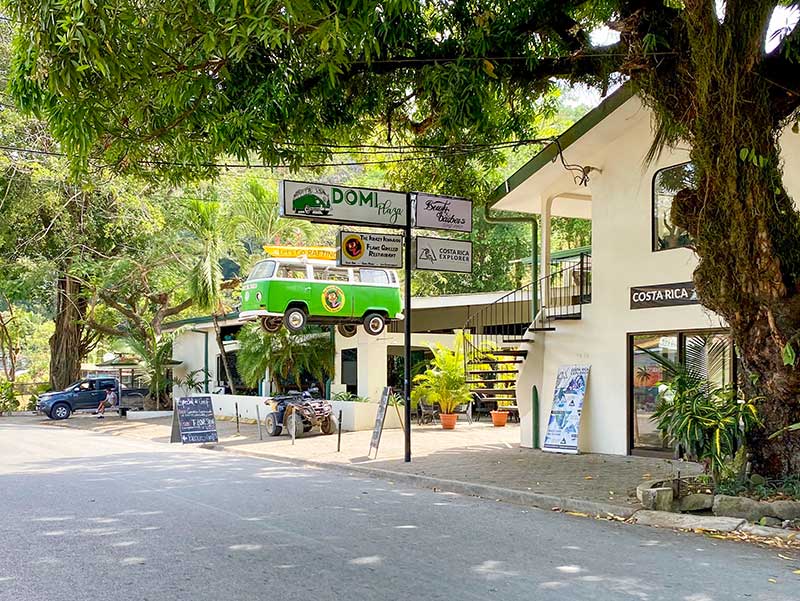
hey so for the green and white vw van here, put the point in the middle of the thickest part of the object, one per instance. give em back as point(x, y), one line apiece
point(295, 291)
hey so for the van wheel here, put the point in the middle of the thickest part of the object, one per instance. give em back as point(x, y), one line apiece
point(60, 411)
point(374, 323)
point(271, 324)
point(295, 319)
point(348, 330)
point(308, 210)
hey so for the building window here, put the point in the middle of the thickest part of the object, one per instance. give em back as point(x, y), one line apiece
point(666, 184)
point(709, 354)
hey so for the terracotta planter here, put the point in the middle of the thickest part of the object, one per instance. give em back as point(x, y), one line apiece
point(499, 418)
point(448, 420)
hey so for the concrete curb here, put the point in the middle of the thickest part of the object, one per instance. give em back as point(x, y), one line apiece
point(485, 491)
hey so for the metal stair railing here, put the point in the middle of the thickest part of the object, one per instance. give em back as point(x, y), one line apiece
point(503, 325)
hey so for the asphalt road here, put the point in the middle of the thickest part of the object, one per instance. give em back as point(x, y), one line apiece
point(85, 516)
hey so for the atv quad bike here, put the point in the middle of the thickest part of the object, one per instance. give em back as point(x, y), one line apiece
point(299, 412)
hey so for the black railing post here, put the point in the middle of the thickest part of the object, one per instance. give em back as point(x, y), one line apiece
point(581, 277)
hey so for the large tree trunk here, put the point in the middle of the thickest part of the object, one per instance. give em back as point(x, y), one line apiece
point(66, 344)
point(745, 229)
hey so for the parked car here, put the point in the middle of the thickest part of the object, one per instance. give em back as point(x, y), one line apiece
point(87, 394)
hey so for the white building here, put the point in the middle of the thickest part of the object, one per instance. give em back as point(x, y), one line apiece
point(633, 245)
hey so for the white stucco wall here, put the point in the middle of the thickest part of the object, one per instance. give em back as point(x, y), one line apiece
point(189, 348)
point(621, 258)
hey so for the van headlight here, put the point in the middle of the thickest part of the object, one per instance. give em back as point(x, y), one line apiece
point(258, 296)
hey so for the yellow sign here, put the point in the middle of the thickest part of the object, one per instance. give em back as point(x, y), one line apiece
point(310, 252)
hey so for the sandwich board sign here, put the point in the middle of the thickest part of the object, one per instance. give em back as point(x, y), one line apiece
point(193, 420)
point(361, 249)
point(564, 424)
point(442, 254)
point(324, 203)
point(380, 417)
point(442, 212)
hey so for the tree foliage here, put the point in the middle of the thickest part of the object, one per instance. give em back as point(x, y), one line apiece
point(169, 88)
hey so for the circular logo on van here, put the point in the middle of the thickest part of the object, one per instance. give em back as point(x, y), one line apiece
point(333, 299)
point(353, 247)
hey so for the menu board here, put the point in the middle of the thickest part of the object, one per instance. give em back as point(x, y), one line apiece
point(195, 419)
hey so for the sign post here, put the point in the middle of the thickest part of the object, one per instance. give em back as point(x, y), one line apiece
point(344, 205)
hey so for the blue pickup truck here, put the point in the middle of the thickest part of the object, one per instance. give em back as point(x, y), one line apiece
point(87, 394)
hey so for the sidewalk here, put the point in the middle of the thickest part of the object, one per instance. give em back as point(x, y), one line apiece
point(475, 459)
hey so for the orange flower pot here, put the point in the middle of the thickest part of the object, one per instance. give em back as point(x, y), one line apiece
point(448, 420)
point(499, 418)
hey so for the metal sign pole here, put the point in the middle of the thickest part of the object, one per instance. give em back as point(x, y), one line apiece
point(407, 327)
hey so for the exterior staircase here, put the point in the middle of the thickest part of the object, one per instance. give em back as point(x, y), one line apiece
point(499, 336)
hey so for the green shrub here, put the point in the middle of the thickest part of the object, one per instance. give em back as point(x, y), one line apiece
point(349, 397)
point(709, 423)
point(8, 398)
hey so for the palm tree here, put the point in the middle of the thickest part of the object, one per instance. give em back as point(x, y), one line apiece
point(155, 352)
point(286, 355)
point(255, 212)
point(207, 222)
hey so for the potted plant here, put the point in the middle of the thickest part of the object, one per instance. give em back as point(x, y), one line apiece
point(444, 382)
point(499, 417)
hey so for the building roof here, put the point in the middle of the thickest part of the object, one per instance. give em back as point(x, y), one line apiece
point(527, 189)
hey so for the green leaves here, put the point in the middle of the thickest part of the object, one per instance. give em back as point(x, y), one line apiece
point(788, 354)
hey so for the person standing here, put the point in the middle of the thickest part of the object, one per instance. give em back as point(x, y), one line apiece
point(109, 401)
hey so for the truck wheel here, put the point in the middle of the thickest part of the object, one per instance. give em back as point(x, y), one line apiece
point(328, 425)
point(270, 324)
point(60, 411)
point(374, 323)
point(295, 319)
point(271, 423)
point(348, 330)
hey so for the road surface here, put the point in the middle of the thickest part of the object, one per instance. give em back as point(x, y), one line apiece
point(91, 517)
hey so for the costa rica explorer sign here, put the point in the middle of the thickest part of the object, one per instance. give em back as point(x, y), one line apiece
point(325, 203)
point(663, 295)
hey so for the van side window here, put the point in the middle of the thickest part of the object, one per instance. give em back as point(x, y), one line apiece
point(292, 272)
point(374, 276)
point(331, 274)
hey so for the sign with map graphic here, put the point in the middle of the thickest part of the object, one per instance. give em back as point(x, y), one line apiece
point(442, 254)
point(360, 249)
point(564, 424)
point(324, 203)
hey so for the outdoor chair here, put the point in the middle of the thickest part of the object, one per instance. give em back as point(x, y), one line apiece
point(426, 412)
point(464, 409)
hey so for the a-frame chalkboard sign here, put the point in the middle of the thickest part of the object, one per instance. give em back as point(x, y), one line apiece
point(193, 420)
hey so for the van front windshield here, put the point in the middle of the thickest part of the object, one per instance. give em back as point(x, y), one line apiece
point(262, 271)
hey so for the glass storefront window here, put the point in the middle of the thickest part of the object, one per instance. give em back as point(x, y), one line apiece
point(647, 376)
point(666, 184)
point(709, 355)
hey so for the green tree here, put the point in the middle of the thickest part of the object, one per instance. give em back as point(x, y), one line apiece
point(287, 356)
point(182, 83)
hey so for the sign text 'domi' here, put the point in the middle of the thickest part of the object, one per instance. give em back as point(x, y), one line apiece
point(325, 203)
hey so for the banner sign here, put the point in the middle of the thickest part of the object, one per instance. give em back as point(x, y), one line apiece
point(442, 212)
point(193, 419)
point(360, 249)
point(664, 295)
point(565, 415)
point(325, 203)
point(443, 254)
